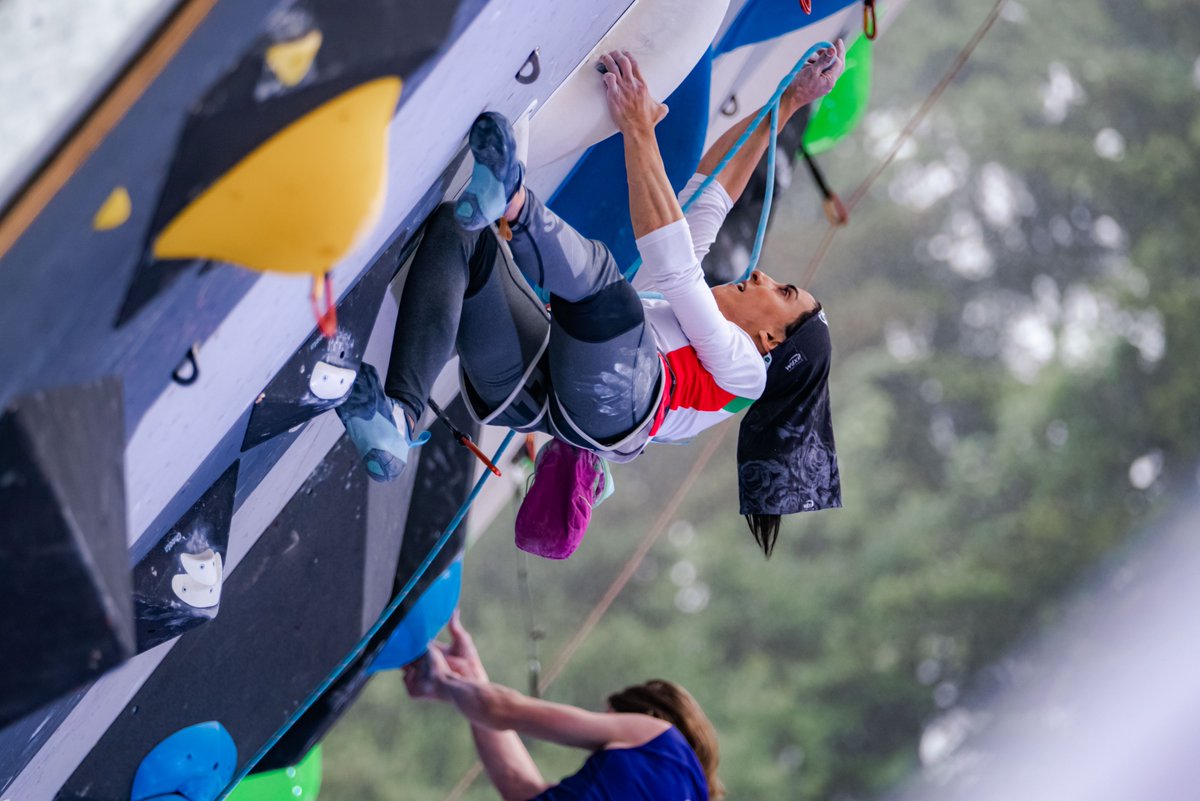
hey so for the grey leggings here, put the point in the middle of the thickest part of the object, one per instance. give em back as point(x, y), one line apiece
point(602, 361)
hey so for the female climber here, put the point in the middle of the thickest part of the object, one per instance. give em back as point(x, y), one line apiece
point(654, 742)
point(604, 369)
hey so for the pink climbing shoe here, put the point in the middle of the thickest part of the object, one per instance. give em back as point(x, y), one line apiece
point(567, 483)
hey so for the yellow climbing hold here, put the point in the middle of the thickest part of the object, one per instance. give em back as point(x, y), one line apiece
point(114, 211)
point(298, 201)
point(291, 61)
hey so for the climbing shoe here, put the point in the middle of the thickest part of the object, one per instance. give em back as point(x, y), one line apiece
point(377, 427)
point(497, 175)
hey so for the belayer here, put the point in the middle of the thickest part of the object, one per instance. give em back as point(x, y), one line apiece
point(604, 369)
point(654, 742)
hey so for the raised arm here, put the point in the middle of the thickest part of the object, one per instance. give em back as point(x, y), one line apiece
point(505, 758)
point(652, 201)
point(455, 674)
point(815, 80)
point(503, 708)
point(671, 262)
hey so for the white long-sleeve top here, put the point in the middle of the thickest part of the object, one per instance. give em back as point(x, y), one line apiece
point(716, 367)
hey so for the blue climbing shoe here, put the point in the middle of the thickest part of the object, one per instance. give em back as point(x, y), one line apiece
point(497, 175)
point(377, 427)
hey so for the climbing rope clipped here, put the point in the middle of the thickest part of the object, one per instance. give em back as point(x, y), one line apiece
point(771, 107)
point(383, 618)
point(835, 210)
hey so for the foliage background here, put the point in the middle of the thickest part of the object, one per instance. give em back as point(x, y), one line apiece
point(1015, 391)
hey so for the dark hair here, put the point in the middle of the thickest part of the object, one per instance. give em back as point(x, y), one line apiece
point(765, 529)
point(668, 701)
point(804, 317)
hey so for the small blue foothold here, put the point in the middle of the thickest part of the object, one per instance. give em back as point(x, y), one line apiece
point(424, 620)
point(193, 764)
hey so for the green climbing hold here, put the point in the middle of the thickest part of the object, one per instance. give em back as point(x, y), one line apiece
point(299, 783)
point(842, 108)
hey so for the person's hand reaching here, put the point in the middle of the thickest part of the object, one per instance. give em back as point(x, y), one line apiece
point(629, 101)
point(461, 653)
point(425, 678)
point(817, 78)
point(428, 677)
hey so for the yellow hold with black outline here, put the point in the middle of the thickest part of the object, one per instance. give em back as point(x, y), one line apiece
point(299, 201)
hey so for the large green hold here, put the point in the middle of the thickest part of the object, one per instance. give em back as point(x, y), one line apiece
point(299, 783)
point(842, 108)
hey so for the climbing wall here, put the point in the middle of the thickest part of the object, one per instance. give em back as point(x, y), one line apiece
point(211, 417)
point(197, 271)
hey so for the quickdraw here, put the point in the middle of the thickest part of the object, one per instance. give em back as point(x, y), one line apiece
point(835, 210)
point(463, 438)
point(869, 27)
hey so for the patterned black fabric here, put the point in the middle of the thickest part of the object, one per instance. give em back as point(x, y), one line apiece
point(786, 457)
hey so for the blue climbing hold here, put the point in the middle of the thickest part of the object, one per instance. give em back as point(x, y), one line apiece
point(193, 764)
point(428, 616)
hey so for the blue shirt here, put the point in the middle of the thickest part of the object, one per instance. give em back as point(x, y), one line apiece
point(664, 769)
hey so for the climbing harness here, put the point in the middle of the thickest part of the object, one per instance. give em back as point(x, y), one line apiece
point(463, 438)
point(383, 618)
point(772, 108)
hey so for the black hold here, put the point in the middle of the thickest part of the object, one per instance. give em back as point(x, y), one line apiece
point(248, 668)
point(189, 361)
point(66, 617)
point(309, 383)
point(177, 585)
point(151, 278)
point(531, 70)
point(730, 107)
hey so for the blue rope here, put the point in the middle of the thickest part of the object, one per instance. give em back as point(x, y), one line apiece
point(771, 107)
point(768, 196)
point(379, 623)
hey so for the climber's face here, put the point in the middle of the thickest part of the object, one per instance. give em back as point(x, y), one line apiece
point(763, 307)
